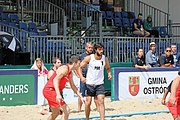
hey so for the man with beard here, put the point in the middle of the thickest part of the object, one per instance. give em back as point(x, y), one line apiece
point(89, 50)
point(95, 79)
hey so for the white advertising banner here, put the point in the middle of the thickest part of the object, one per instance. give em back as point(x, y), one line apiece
point(145, 84)
point(68, 93)
point(42, 80)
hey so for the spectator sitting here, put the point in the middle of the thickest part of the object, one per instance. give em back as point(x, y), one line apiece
point(166, 60)
point(148, 26)
point(176, 56)
point(138, 27)
point(139, 60)
point(151, 57)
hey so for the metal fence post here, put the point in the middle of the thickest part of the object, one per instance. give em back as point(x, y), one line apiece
point(100, 25)
point(64, 24)
point(49, 13)
point(115, 50)
point(22, 10)
point(34, 10)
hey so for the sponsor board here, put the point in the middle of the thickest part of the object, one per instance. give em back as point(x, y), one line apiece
point(42, 80)
point(140, 83)
point(17, 88)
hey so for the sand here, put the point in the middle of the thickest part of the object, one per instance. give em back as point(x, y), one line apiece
point(30, 112)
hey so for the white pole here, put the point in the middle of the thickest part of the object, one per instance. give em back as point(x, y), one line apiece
point(168, 24)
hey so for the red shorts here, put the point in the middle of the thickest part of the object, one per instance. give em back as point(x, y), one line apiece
point(50, 95)
point(174, 109)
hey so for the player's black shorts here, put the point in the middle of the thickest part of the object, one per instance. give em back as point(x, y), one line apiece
point(94, 90)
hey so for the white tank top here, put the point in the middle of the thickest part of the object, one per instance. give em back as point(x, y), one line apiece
point(95, 72)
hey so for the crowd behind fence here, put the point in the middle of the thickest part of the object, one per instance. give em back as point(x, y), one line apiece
point(159, 17)
point(117, 49)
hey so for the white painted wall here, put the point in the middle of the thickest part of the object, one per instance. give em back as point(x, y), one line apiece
point(174, 7)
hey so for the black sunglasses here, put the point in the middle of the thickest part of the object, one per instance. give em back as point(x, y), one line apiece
point(168, 50)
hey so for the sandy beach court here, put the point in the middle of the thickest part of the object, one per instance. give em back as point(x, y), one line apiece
point(30, 112)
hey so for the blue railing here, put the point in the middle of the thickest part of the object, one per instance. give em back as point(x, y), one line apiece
point(117, 49)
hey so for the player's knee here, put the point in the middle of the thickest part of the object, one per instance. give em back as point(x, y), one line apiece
point(67, 112)
point(101, 101)
point(88, 103)
point(55, 114)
